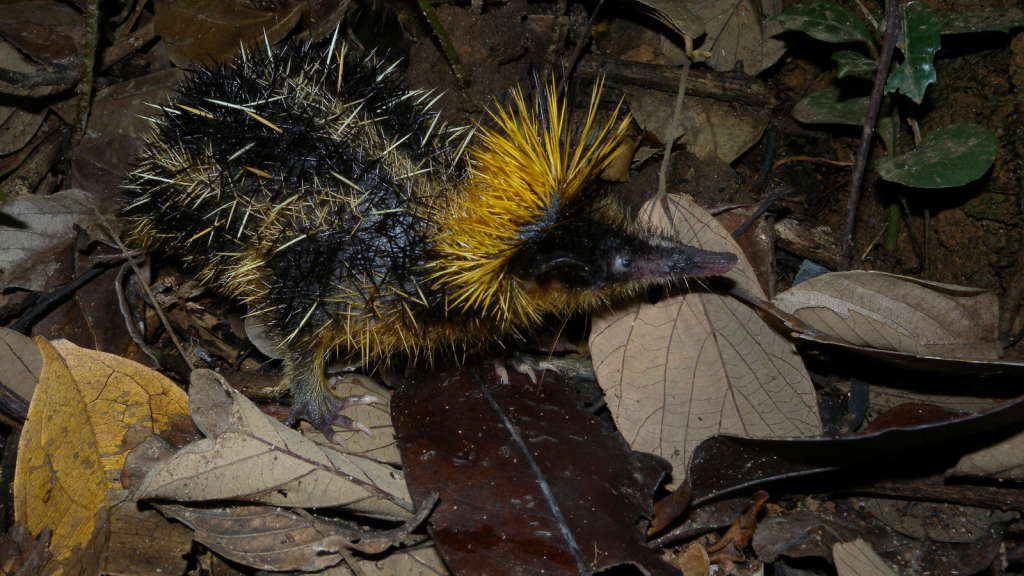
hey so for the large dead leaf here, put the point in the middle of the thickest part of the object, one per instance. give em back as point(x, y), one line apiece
point(88, 410)
point(249, 456)
point(858, 559)
point(145, 543)
point(897, 313)
point(739, 30)
point(211, 31)
point(33, 227)
point(706, 127)
point(698, 364)
point(529, 482)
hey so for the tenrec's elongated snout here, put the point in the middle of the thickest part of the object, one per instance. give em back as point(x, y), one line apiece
point(689, 261)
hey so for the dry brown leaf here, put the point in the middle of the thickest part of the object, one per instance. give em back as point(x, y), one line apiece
point(41, 224)
point(21, 554)
point(935, 521)
point(20, 363)
point(706, 127)
point(211, 31)
point(275, 539)
point(1001, 461)
point(858, 559)
point(252, 457)
point(897, 313)
point(693, 560)
point(738, 30)
point(419, 561)
point(700, 363)
point(145, 543)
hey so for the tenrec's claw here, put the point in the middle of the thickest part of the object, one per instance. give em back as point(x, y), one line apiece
point(524, 368)
point(499, 369)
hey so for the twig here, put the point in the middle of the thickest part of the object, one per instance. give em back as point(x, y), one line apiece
point(810, 159)
point(446, 43)
point(126, 46)
point(910, 228)
point(724, 86)
point(584, 40)
point(556, 33)
point(927, 241)
point(1014, 292)
point(37, 165)
point(763, 207)
point(892, 25)
point(145, 287)
point(663, 175)
point(133, 330)
point(86, 74)
point(866, 13)
point(43, 305)
point(63, 76)
point(874, 242)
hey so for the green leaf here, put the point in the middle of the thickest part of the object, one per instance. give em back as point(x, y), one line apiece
point(826, 21)
point(829, 107)
point(986, 20)
point(854, 63)
point(950, 156)
point(919, 40)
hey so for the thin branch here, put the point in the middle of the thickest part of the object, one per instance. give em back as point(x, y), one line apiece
point(584, 40)
point(763, 207)
point(892, 26)
point(63, 77)
point(676, 112)
point(22, 325)
point(88, 70)
point(556, 34)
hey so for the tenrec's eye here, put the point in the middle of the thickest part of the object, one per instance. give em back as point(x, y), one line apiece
point(625, 262)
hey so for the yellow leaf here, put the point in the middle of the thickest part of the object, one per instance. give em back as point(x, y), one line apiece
point(88, 410)
point(126, 402)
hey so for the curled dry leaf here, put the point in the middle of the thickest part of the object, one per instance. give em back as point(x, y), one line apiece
point(897, 313)
point(858, 559)
point(272, 538)
point(88, 410)
point(1001, 461)
point(693, 560)
point(698, 364)
point(249, 456)
point(41, 225)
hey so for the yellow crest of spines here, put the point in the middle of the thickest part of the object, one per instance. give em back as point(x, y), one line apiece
point(533, 162)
